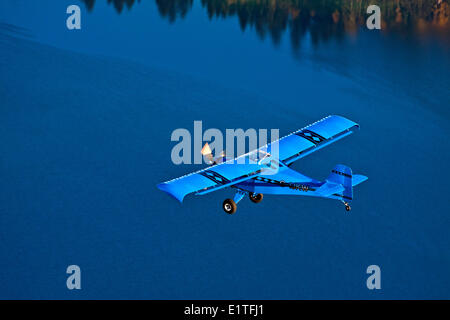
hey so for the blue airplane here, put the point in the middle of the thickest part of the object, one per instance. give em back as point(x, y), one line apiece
point(260, 172)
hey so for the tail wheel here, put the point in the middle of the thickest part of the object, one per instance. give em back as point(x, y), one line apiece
point(347, 207)
point(229, 206)
point(256, 197)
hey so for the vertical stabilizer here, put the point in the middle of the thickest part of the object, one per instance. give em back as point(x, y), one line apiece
point(342, 175)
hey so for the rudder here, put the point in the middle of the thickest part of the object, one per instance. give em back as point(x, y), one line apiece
point(342, 175)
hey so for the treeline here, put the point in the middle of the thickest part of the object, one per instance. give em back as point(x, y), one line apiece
point(118, 4)
point(170, 9)
point(321, 18)
point(329, 17)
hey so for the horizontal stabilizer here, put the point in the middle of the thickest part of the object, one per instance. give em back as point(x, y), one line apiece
point(358, 178)
point(329, 188)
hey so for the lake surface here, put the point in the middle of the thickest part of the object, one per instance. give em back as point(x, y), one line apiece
point(86, 118)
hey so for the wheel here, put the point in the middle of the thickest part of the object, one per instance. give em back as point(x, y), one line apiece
point(229, 206)
point(256, 197)
point(347, 207)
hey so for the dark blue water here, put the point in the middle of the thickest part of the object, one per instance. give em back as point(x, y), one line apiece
point(85, 124)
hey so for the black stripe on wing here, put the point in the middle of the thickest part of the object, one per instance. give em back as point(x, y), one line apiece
point(214, 176)
point(311, 136)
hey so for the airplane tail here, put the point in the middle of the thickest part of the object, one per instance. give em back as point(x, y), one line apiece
point(342, 175)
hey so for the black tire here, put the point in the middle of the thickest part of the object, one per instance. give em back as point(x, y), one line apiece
point(348, 208)
point(229, 206)
point(256, 197)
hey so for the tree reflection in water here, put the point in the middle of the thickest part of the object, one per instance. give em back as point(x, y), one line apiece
point(323, 19)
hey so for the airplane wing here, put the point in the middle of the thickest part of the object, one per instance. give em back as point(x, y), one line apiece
point(314, 137)
point(210, 179)
point(291, 148)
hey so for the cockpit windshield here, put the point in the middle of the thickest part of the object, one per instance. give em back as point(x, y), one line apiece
point(266, 160)
point(258, 155)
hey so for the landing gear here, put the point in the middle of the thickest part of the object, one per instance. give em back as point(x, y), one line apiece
point(229, 206)
point(347, 206)
point(255, 197)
